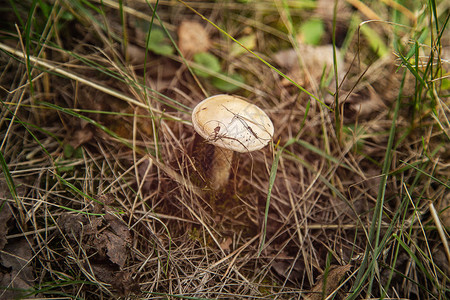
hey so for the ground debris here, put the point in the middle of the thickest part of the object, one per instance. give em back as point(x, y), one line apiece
point(108, 236)
point(71, 224)
point(328, 283)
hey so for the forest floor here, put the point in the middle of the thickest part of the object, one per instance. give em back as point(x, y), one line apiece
point(105, 188)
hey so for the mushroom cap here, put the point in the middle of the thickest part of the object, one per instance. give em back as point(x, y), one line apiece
point(232, 123)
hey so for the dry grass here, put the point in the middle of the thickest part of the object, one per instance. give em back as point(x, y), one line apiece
point(104, 189)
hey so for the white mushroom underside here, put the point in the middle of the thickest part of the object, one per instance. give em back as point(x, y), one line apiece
point(232, 123)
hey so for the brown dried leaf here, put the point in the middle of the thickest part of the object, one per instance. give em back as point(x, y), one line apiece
point(118, 227)
point(16, 287)
point(332, 280)
point(107, 234)
point(314, 59)
point(114, 240)
point(104, 271)
point(225, 245)
point(5, 215)
point(192, 38)
point(116, 248)
point(281, 267)
point(15, 257)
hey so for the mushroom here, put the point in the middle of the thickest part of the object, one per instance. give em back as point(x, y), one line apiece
point(231, 124)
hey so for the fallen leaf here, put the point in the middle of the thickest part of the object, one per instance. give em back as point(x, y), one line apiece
point(311, 31)
point(158, 43)
point(106, 234)
point(13, 287)
point(225, 245)
point(16, 255)
point(116, 248)
point(285, 264)
point(103, 271)
point(115, 240)
point(208, 61)
point(228, 86)
point(192, 38)
point(118, 227)
point(5, 215)
point(289, 269)
point(331, 282)
point(315, 61)
point(15, 258)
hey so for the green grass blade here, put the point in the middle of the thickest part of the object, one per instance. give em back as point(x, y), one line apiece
point(148, 39)
point(16, 13)
point(412, 70)
point(124, 29)
point(17, 120)
point(373, 242)
point(432, 7)
point(337, 110)
point(426, 174)
point(322, 153)
point(9, 180)
point(27, 35)
point(414, 257)
point(305, 115)
point(273, 175)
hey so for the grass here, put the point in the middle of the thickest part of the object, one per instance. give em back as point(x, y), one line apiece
point(103, 185)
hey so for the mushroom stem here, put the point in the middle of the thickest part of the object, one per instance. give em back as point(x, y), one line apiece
point(220, 167)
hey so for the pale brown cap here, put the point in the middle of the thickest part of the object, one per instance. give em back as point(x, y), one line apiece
point(232, 123)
